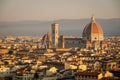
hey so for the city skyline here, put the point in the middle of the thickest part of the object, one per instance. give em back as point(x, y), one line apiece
point(73, 27)
point(18, 10)
point(59, 40)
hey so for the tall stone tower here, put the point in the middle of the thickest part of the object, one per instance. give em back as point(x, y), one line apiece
point(55, 35)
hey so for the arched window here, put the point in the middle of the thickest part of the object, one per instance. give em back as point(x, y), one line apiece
point(95, 38)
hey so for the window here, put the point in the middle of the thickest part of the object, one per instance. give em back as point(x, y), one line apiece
point(73, 42)
point(109, 65)
point(87, 37)
point(95, 38)
point(113, 66)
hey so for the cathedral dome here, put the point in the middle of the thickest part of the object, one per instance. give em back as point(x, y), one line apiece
point(93, 29)
point(47, 37)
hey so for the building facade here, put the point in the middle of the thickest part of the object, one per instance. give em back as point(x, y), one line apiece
point(92, 37)
point(70, 42)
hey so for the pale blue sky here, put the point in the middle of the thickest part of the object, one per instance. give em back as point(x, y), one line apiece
point(17, 10)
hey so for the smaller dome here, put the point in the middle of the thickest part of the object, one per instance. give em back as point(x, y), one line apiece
point(47, 37)
point(44, 37)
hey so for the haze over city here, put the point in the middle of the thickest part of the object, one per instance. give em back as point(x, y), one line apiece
point(34, 17)
point(17, 10)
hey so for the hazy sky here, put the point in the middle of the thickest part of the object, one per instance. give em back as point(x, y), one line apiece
point(16, 10)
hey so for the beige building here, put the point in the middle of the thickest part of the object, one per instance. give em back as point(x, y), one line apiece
point(94, 75)
point(70, 41)
point(4, 50)
point(110, 65)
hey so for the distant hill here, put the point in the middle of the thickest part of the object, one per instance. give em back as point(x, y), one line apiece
point(66, 27)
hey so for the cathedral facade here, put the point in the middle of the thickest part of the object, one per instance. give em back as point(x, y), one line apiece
point(92, 37)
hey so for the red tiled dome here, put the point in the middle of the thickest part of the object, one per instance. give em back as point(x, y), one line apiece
point(92, 28)
point(47, 37)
